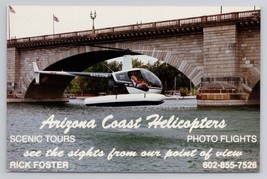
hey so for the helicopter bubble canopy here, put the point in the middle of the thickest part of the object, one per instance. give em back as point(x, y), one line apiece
point(142, 74)
point(150, 78)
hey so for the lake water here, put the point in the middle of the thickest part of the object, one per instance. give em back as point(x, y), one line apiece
point(26, 119)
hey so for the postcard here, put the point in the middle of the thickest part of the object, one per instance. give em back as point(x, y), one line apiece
point(128, 89)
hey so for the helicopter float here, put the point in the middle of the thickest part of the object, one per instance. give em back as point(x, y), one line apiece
point(145, 92)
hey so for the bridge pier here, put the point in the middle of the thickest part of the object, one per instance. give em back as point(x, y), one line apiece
point(224, 82)
point(220, 51)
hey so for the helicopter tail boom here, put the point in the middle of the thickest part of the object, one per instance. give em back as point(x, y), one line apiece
point(37, 73)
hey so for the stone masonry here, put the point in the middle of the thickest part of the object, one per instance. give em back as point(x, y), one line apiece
point(213, 52)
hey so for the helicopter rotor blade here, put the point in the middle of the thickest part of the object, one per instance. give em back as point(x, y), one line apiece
point(133, 51)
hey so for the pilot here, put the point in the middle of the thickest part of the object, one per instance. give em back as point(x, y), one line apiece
point(138, 83)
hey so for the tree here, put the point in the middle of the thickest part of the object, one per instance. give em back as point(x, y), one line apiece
point(115, 65)
point(138, 64)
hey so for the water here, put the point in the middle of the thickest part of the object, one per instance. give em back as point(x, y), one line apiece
point(26, 119)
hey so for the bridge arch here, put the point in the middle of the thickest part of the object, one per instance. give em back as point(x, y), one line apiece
point(189, 63)
point(255, 93)
point(52, 86)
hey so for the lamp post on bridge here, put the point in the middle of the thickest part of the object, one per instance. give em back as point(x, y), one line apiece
point(93, 16)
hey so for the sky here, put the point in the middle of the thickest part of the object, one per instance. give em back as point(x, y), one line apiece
point(30, 21)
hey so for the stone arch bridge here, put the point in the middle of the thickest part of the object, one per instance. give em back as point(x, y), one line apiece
point(222, 48)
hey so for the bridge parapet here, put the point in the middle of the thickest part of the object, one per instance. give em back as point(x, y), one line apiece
point(162, 28)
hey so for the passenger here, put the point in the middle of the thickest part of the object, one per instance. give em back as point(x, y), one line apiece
point(137, 83)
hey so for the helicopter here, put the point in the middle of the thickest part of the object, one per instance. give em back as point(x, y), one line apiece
point(140, 92)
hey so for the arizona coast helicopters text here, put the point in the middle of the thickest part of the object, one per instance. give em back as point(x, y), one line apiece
point(153, 121)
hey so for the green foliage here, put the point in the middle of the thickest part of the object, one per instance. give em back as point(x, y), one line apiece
point(114, 65)
point(183, 91)
point(194, 91)
point(137, 63)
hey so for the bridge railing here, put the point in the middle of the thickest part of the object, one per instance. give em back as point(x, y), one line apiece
point(143, 26)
